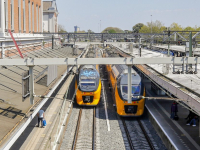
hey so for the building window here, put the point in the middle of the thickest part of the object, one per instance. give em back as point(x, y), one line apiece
point(29, 15)
point(12, 14)
point(19, 15)
point(6, 13)
point(24, 16)
point(37, 17)
point(32, 17)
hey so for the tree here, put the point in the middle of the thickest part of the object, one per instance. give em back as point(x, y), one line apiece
point(175, 27)
point(145, 29)
point(112, 30)
point(156, 27)
point(136, 28)
point(61, 29)
point(189, 29)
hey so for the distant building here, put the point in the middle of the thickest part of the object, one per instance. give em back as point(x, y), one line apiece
point(50, 16)
point(76, 29)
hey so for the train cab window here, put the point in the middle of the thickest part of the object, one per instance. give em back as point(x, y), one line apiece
point(88, 84)
point(125, 89)
point(135, 89)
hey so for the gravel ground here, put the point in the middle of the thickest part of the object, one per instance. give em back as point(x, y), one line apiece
point(112, 139)
point(71, 127)
point(84, 140)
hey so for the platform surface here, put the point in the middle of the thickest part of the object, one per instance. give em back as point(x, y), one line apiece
point(183, 136)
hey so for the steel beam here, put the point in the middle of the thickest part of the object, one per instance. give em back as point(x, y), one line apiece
point(98, 61)
point(196, 35)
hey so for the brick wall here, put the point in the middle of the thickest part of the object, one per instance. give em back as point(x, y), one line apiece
point(16, 17)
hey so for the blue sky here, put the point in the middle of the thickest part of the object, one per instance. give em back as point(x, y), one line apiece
point(125, 13)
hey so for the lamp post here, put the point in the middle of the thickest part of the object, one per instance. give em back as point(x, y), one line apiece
point(100, 26)
point(151, 23)
point(168, 41)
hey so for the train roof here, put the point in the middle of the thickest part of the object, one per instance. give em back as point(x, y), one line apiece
point(88, 67)
point(122, 70)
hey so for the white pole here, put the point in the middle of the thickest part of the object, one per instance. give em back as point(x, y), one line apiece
point(31, 85)
point(129, 84)
point(100, 26)
point(151, 23)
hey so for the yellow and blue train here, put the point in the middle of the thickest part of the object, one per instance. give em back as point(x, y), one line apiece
point(118, 78)
point(88, 83)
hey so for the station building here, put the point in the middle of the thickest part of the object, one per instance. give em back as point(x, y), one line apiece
point(24, 18)
point(50, 16)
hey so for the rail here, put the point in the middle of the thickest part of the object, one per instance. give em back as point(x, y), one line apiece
point(128, 135)
point(77, 130)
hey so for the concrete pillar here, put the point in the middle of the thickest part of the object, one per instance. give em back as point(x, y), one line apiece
point(129, 85)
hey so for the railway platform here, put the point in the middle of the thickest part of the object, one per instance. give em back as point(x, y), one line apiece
point(179, 135)
point(175, 134)
point(43, 138)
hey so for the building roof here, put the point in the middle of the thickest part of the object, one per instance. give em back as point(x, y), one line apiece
point(47, 5)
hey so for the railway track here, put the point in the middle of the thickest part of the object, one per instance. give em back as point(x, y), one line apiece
point(136, 135)
point(84, 137)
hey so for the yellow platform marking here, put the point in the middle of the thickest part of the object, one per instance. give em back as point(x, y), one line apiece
point(43, 135)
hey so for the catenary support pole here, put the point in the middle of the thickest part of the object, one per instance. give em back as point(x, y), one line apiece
point(140, 46)
point(31, 84)
point(190, 47)
point(168, 42)
point(52, 41)
point(129, 84)
point(190, 44)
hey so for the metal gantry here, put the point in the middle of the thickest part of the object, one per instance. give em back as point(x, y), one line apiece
point(31, 62)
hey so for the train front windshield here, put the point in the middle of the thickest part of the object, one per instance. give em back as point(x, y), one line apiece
point(88, 79)
point(135, 89)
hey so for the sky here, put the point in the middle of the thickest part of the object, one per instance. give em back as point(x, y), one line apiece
point(124, 14)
